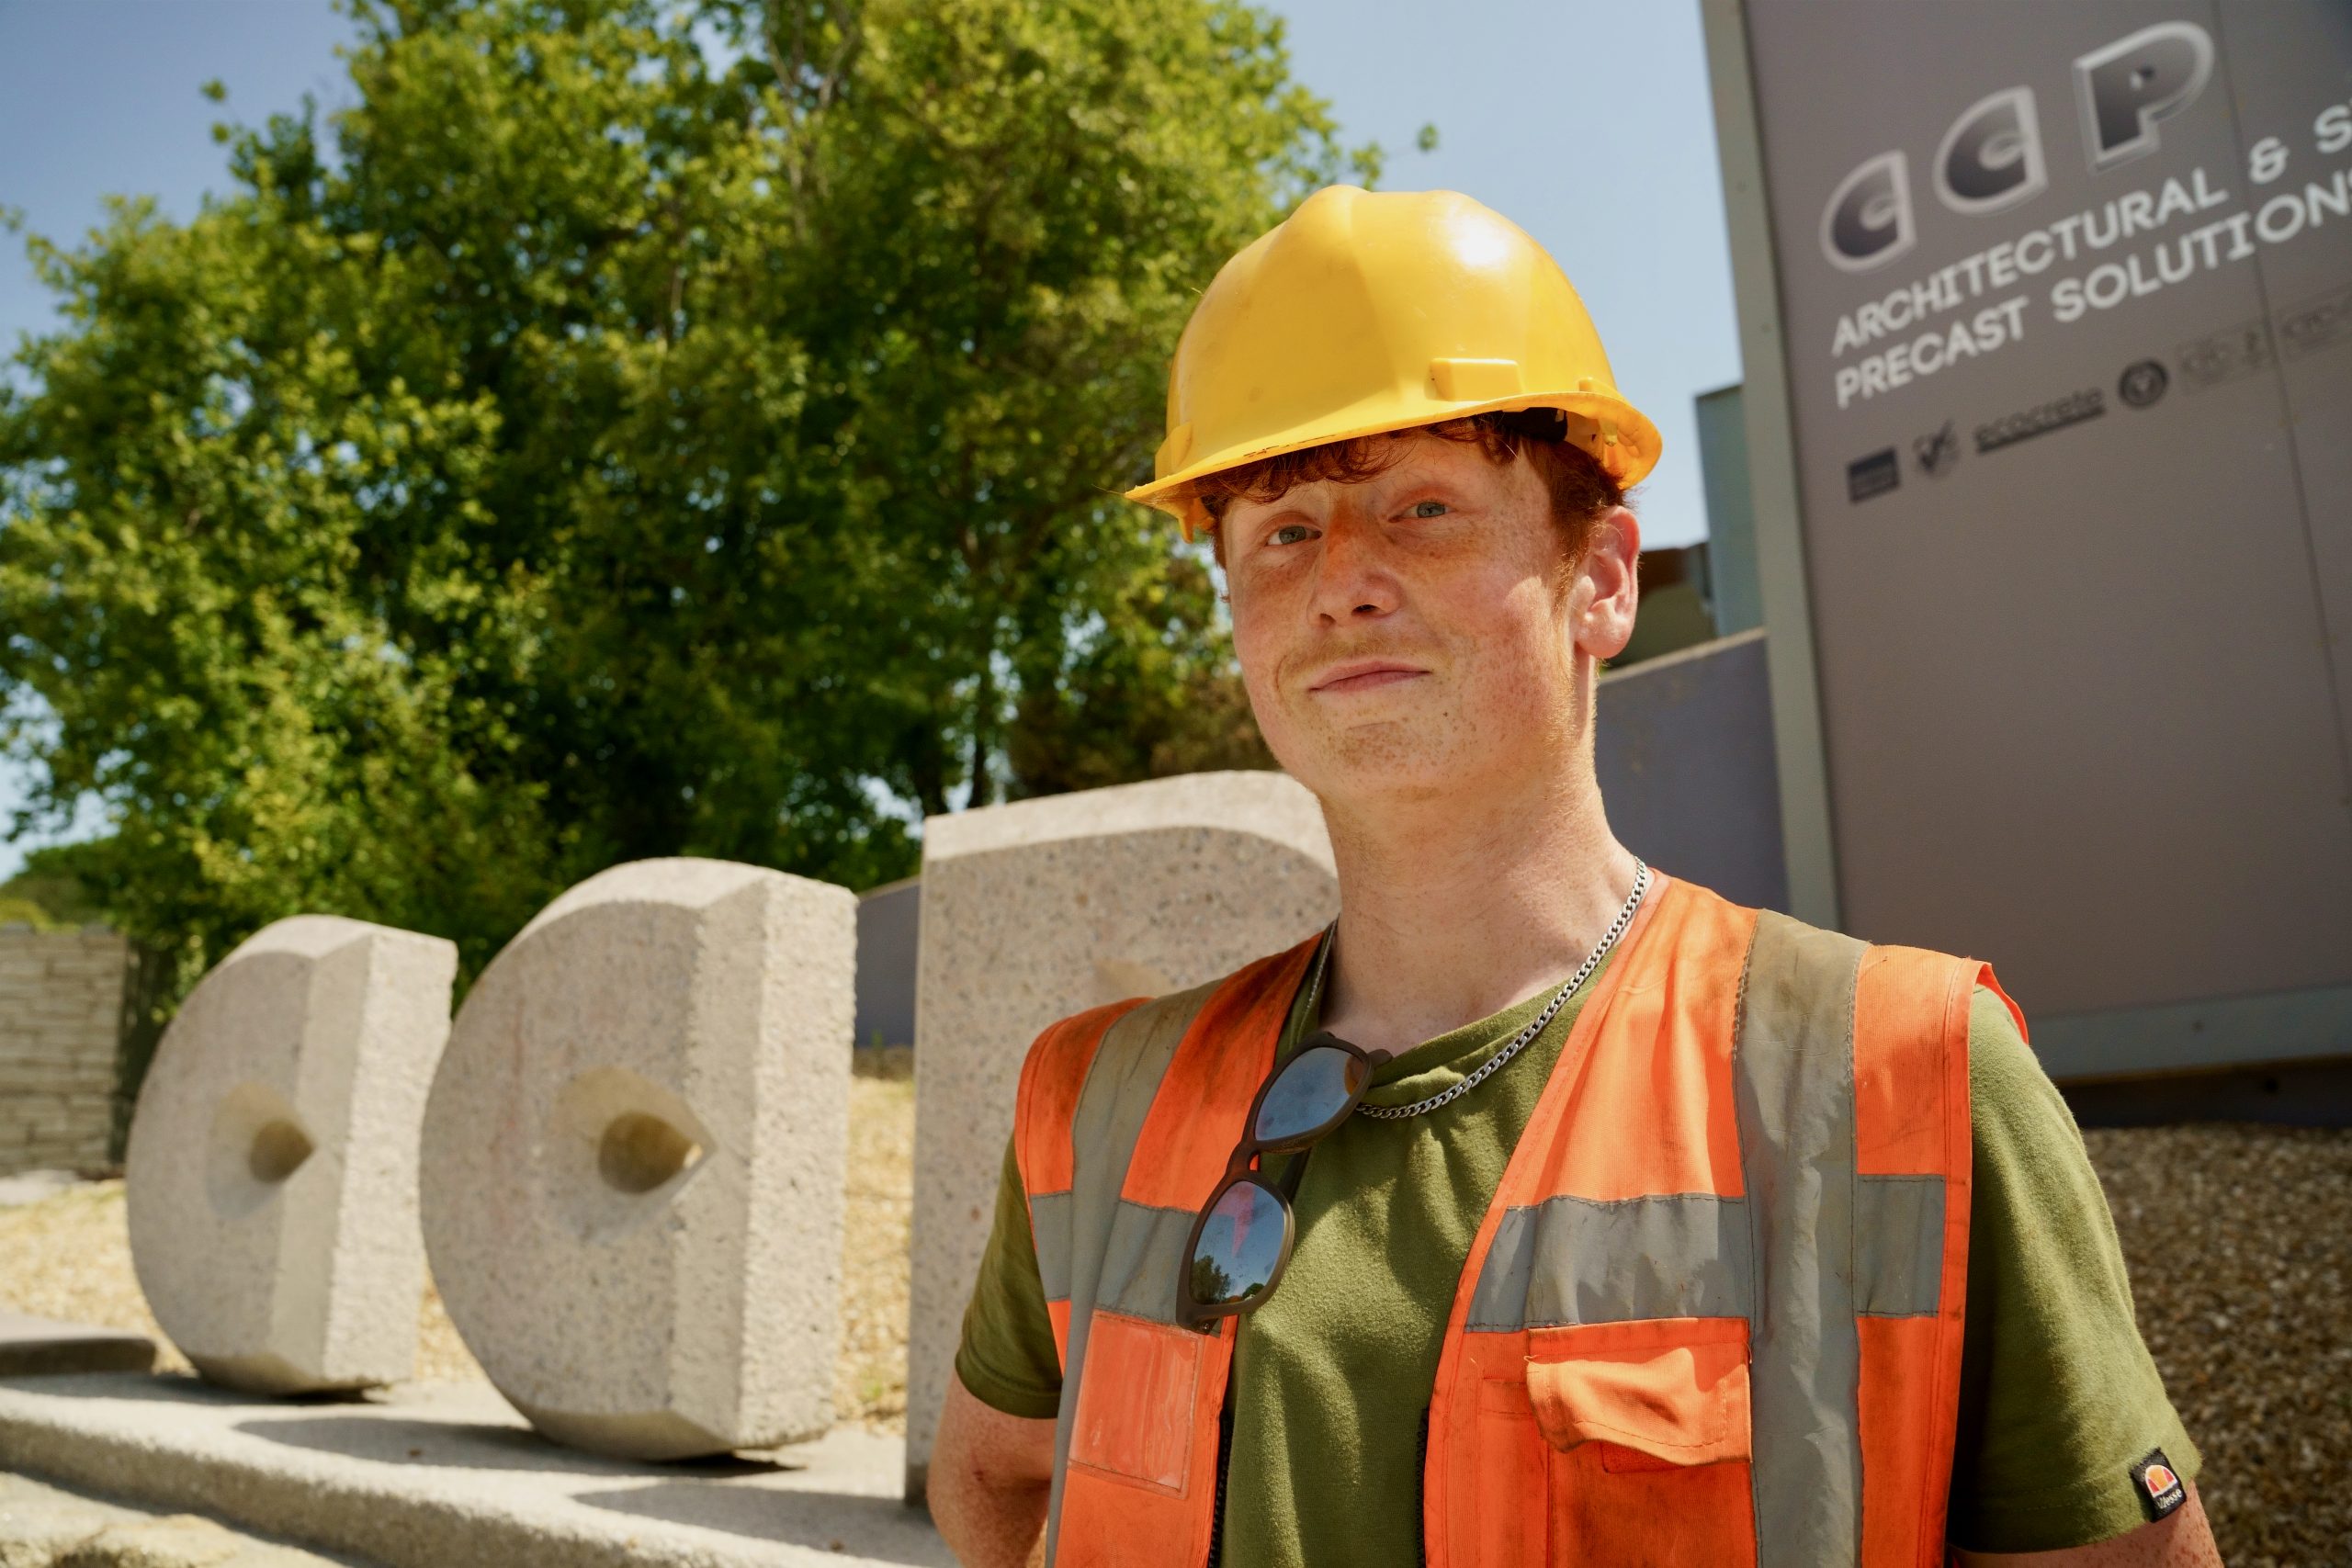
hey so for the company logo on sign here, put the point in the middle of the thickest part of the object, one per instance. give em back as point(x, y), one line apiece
point(2227, 355)
point(1874, 475)
point(1938, 452)
point(2040, 420)
point(2317, 323)
point(1991, 158)
point(2143, 383)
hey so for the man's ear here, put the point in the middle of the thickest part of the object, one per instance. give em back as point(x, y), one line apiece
point(1606, 588)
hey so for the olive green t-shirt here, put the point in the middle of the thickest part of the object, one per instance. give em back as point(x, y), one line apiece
point(2059, 1398)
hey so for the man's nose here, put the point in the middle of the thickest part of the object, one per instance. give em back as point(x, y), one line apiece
point(1352, 579)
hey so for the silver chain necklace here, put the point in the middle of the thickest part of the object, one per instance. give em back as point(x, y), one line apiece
point(1535, 1026)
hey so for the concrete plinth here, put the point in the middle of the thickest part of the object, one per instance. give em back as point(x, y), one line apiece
point(48, 1526)
point(449, 1476)
point(633, 1159)
point(272, 1165)
point(1045, 907)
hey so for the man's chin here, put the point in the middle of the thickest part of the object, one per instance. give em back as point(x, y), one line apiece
point(1390, 762)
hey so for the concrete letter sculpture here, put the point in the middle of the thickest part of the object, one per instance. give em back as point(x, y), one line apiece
point(1038, 910)
point(633, 1159)
point(273, 1156)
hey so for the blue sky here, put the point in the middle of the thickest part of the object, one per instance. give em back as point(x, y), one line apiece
point(1588, 123)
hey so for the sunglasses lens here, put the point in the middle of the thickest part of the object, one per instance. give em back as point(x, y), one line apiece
point(1312, 1091)
point(1240, 1247)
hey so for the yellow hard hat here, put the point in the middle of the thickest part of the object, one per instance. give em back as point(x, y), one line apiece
point(1365, 313)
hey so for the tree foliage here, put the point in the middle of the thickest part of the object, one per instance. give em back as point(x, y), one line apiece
point(634, 429)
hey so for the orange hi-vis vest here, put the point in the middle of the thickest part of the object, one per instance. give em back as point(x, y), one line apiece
point(1712, 1316)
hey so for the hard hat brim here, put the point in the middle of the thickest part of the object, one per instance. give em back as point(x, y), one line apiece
point(1618, 435)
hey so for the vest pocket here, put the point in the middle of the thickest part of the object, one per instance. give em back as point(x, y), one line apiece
point(1671, 1389)
point(1648, 1436)
point(1137, 1401)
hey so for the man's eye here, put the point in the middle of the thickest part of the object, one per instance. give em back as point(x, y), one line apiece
point(1289, 534)
point(1428, 509)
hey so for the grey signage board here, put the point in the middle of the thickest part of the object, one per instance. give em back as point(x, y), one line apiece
point(2063, 301)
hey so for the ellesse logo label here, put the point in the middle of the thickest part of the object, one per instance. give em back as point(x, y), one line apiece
point(2160, 1489)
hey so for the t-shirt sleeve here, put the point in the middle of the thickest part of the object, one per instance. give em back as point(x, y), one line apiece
point(1007, 1357)
point(2059, 1398)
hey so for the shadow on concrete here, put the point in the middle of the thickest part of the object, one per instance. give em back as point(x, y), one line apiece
point(478, 1445)
point(180, 1388)
point(882, 1529)
point(48, 1347)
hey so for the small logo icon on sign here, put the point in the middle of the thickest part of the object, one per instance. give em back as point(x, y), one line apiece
point(1874, 475)
point(2040, 420)
point(2317, 323)
point(1938, 452)
point(2159, 1487)
point(2142, 384)
point(2227, 355)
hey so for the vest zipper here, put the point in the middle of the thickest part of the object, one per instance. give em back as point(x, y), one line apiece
point(1420, 1493)
point(1223, 1459)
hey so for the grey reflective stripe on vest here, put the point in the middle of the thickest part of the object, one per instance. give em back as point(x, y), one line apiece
point(1574, 1261)
point(1120, 1085)
point(1898, 1246)
point(1142, 1260)
point(1580, 1260)
point(1049, 1222)
point(1793, 1078)
point(1142, 1256)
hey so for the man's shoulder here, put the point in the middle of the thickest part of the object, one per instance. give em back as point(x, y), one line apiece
point(1270, 976)
point(1952, 976)
point(1131, 1018)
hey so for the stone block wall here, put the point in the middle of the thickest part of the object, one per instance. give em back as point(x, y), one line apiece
point(60, 1021)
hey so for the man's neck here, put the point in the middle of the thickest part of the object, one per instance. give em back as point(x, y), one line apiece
point(1451, 910)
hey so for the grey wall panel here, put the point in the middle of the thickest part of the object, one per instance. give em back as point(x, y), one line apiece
point(2315, 1094)
point(1683, 747)
point(1735, 588)
point(2279, 60)
point(2082, 693)
point(890, 926)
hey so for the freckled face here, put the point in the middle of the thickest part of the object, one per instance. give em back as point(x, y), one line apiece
point(1402, 637)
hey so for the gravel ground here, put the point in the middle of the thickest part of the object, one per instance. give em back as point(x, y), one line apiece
point(2239, 1240)
point(68, 1256)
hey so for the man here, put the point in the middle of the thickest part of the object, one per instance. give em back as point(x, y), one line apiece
point(1550, 1208)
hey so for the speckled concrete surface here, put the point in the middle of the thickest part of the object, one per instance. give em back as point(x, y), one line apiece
point(64, 1254)
point(634, 1155)
point(272, 1163)
point(1045, 907)
point(51, 1526)
point(449, 1476)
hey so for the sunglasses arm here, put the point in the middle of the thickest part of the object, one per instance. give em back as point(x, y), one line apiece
point(1295, 1174)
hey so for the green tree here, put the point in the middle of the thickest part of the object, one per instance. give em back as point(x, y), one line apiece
point(45, 894)
point(634, 429)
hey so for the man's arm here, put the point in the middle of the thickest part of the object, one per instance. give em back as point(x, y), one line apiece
point(2180, 1540)
point(2061, 1409)
point(989, 1476)
point(993, 1462)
